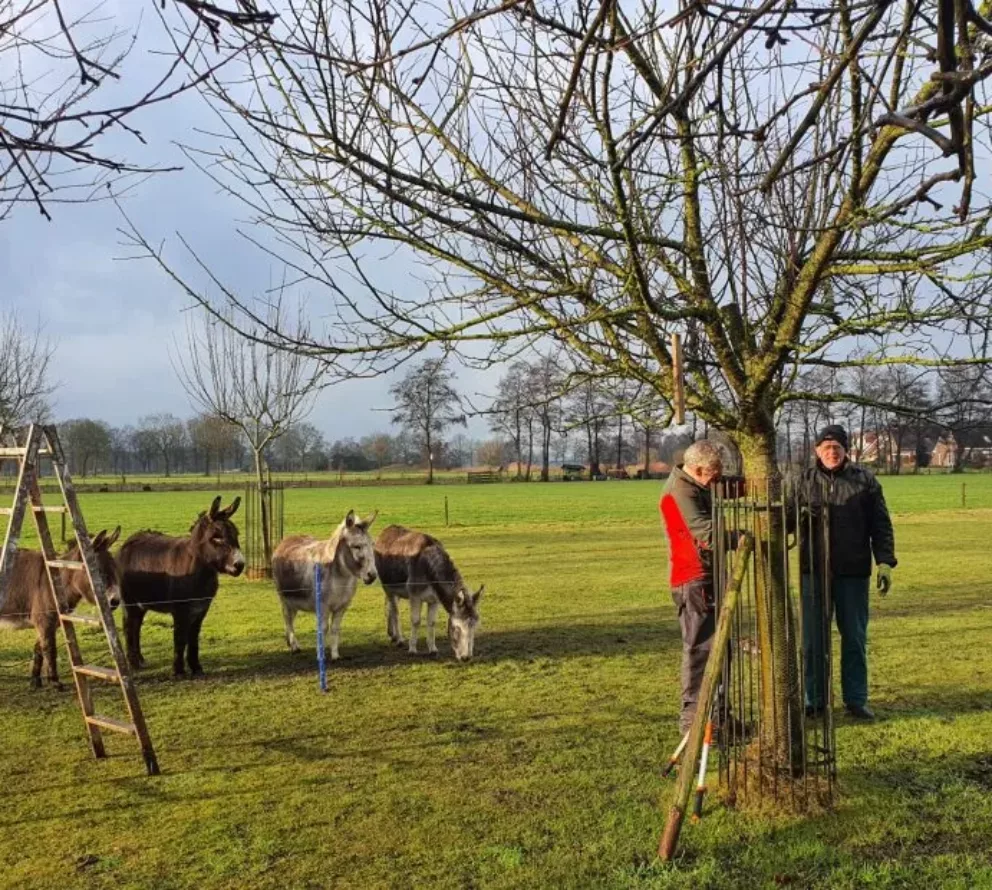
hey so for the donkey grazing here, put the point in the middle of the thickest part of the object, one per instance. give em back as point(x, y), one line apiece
point(29, 597)
point(415, 566)
point(344, 557)
point(178, 576)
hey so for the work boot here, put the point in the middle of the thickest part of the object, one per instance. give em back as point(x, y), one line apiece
point(861, 712)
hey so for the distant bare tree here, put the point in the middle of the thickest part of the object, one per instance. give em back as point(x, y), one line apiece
point(85, 441)
point(427, 404)
point(491, 452)
point(166, 434)
point(258, 389)
point(25, 383)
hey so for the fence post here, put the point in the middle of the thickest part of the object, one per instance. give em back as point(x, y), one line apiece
point(321, 658)
point(963, 499)
point(445, 511)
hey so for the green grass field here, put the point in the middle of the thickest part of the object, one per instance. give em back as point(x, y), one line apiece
point(537, 765)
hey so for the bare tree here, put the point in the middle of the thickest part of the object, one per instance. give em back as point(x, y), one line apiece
point(762, 179)
point(61, 95)
point(25, 380)
point(512, 413)
point(166, 435)
point(426, 405)
point(254, 387)
point(86, 441)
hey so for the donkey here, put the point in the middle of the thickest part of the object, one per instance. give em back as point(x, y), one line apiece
point(344, 557)
point(415, 566)
point(178, 576)
point(29, 597)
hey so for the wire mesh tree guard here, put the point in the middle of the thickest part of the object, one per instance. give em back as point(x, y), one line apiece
point(264, 527)
point(782, 524)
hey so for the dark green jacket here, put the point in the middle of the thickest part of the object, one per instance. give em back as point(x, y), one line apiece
point(859, 521)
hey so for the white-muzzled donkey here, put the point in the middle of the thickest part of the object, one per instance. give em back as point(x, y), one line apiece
point(415, 566)
point(344, 557)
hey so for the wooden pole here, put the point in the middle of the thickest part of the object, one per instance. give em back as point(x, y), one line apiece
point(678, 381)
point(711, 676)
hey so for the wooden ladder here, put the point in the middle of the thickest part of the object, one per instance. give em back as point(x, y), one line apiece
point(43, 442)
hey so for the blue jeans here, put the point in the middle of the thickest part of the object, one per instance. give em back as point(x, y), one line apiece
point(850, 605)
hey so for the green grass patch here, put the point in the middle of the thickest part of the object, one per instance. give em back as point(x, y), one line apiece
point(537, 765)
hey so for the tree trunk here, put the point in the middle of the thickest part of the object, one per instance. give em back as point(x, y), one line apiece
point(530, 445)
point(647, 452)
point(263, 513)
point(781, 735)
point(430, 459)
point(545, 449)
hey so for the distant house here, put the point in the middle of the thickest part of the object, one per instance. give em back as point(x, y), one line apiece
point(940, 450)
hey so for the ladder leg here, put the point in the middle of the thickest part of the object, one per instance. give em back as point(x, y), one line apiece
point(127, 686)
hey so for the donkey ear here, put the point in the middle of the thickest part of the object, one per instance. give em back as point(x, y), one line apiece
point(214, 507)
point(460, 597)
point(113, 538)
point(478, 595)
point(228, 512)
point(100, 541)
point(349, 520)
point(365, 523)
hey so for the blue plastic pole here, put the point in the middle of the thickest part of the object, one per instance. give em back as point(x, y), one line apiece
point(321, 661)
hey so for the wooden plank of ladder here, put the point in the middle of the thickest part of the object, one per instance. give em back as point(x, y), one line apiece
point(98, 671)
point(97, 720)
point(88, 620)
point(138, 725)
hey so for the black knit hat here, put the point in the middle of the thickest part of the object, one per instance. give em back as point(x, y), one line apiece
point(833, 433)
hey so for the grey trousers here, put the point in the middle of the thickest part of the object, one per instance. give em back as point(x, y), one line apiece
point(697, 619)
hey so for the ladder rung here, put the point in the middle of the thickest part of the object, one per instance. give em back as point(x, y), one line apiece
point(111, 723)
point(9, 511)
point(66, 564)
point(88, 620)
point(20, 452)
point(101, 673)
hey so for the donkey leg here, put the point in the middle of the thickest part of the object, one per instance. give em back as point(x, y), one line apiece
point(49, 650)
point(431, 618)
point(414, 623)
point(393, 625)
point(288, 617)
point(180, 639)
point(36, 663)
point(193, 650)
point(133, 617)
point(336, 633)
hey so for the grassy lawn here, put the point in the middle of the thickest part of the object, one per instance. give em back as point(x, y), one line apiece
point(538, 764)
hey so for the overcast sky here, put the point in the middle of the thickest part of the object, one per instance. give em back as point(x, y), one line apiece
point(114, 321)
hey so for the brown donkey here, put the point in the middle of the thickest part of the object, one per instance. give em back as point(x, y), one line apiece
point(29, 597)
point(178, 576)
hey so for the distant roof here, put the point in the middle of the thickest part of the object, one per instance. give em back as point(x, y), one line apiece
point(575, 467)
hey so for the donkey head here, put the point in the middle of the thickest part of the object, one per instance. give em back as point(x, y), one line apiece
point(215, 539)
point(78, 584)
point(355, 546)
point(462, 621)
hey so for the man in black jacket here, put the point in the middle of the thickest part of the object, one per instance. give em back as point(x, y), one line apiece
point(858, 527)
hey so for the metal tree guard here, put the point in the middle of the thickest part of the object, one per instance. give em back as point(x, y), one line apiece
point(258, 563)
point(746, 769)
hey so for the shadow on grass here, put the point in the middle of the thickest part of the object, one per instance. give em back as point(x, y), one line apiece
point(631, 634)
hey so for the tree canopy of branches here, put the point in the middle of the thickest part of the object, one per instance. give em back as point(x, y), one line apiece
point(58, 60)
point(780, 184)
point(426, 405)
point(25, 382)
point(252, 386)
